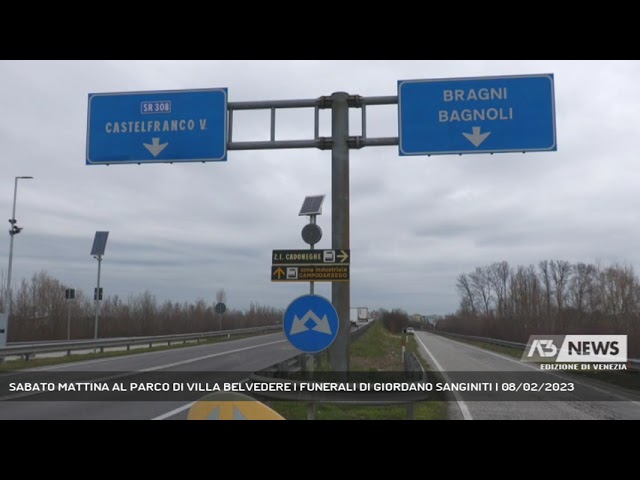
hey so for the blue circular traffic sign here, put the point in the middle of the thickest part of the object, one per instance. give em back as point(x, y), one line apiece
point(311, 323)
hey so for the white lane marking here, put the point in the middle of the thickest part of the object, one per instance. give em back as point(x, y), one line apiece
point(553, 374)
point(211, 355)
point(82, 363)
point(176, 411)
point(466, 414)
point(499, 355)
point(159, 367)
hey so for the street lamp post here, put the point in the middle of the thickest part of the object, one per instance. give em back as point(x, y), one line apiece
point(13, 231)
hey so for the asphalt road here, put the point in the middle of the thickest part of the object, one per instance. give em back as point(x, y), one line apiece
point(449, 355)
point(243, 355)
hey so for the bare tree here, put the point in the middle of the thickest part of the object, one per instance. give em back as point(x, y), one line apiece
point(581, 286)
point(498, 277)
point(466, 294)
point(560, 273)
point(550, 297)
point(545, 277)
point(221, 296)
point(40, 313)
point(526, 297)
point(619, 286)
point(482, 288)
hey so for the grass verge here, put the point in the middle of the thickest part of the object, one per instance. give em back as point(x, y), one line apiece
point(377, 350)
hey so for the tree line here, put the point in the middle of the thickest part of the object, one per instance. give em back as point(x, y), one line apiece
point(552, 297)
point(39, 311)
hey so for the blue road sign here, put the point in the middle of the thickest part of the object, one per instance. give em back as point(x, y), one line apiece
point(311, 323)
point(476, 115)
point(157, 127)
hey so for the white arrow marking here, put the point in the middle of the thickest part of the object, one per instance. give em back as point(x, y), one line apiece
point(299, 324)
point(322, 326)
point(476, 137)
point(155, 147)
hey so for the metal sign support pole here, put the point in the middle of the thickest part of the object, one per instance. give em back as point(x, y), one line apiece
point(311, 408)
point(340, 291)
point(68, 320)
point(312, 219)
point(95, 333)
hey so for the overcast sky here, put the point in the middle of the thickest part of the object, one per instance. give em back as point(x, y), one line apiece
point(183, 231)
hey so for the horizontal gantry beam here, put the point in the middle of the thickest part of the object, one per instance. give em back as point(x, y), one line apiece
point(321, 143)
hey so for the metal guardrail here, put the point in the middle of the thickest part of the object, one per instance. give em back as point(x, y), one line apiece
point(494, 341)
point(357, 333)
point(299, 363)
point(28, 350)
point(632, 363)
point(413, 365)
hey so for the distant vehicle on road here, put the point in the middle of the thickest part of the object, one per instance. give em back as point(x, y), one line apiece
point(359, 315)
point(409, 330)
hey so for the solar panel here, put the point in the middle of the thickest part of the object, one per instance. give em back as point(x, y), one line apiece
point(312, 205)
point(99, 243)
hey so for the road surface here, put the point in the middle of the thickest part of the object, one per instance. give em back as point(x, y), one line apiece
point(243, 355)
point(449, 355)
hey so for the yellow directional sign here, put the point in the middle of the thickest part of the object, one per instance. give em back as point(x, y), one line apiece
point(310, 273)
point(231, 406)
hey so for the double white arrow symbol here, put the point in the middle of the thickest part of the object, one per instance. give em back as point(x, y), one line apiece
point(155, 147)
point(321, 326)
point(476, 137)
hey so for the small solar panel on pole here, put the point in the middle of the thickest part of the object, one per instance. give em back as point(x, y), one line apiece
point(99, 243)
point(312, 205)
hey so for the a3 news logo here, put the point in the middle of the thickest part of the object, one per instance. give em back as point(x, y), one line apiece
point(576, 348)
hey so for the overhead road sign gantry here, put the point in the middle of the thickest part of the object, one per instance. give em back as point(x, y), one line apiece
point(157, 127)
point(340, 142)
point(477, 115)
